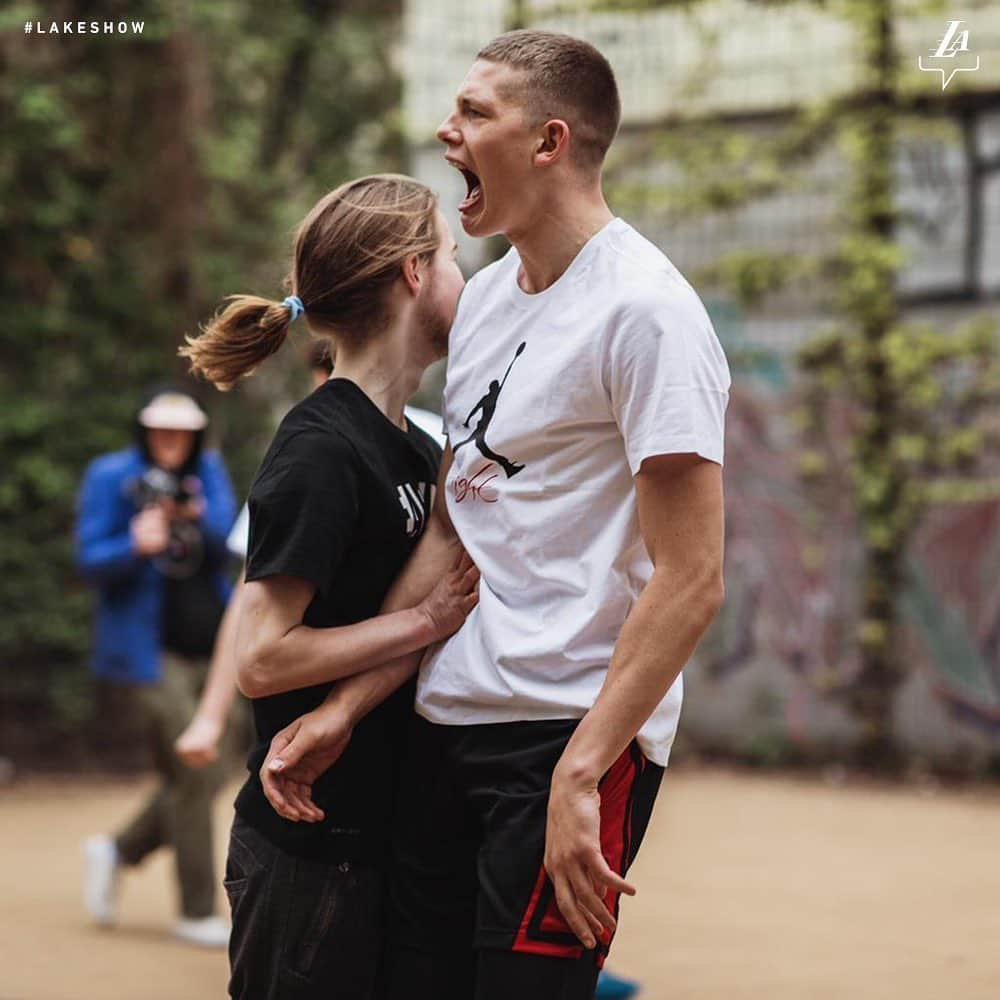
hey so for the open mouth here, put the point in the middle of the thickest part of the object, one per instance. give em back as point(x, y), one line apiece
point(474, 187)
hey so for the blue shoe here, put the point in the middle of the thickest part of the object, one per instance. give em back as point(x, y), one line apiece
point(610, 987)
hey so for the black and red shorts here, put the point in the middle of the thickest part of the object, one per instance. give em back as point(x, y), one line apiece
point(469, 838)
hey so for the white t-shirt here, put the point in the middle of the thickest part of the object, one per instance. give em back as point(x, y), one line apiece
point(238, 541)
point(551, 403)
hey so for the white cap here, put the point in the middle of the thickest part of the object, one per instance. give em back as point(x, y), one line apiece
point(173, 411)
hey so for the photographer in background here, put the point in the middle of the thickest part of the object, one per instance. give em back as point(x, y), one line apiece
point(152, 522)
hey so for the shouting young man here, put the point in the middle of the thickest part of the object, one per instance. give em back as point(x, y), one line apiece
point(585, 402)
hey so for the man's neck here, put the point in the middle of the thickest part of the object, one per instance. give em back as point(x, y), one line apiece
point(555, 237)
point(383, 373)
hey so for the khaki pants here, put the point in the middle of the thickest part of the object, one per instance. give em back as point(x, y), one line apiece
point(179, 812)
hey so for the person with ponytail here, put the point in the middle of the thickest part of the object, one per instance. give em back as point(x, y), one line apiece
point(342, 499)
point(584, 404)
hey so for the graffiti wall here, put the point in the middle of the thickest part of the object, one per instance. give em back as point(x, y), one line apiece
point(762, 683)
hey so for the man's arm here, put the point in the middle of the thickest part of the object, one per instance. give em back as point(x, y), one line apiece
point(311, 744)
point(198, 745)
point(278, 653)
point(438, 549)
point(680, 506)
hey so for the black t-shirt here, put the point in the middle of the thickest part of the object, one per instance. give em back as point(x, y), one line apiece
point(340, 500)
point(192, 611)
point(192, 603)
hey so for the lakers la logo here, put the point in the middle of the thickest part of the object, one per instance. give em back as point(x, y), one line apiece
point(953, 47)
point(416, 500)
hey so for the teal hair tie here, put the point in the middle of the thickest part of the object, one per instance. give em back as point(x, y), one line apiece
point(295, 304)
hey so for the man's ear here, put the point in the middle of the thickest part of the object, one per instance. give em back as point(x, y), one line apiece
point(553, 143)
point(413, 275)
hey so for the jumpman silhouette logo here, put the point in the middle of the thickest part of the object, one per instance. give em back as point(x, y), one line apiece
point(487, 407)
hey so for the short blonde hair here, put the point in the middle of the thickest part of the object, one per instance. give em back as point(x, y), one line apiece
point(567, 78)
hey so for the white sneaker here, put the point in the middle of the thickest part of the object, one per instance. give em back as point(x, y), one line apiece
point(209, 932)
point(100, 883)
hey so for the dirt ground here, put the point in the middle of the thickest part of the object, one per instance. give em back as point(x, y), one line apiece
point(771, 888)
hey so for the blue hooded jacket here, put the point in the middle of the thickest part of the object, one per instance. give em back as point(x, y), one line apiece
point(128, 628)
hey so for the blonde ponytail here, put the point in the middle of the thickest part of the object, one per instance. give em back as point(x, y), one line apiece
point(236, 340)
point(349, 250)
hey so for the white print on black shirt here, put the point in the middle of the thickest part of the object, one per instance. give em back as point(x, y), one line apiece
point(416, 500)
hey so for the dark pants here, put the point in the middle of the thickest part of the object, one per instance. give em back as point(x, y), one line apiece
point(464, 974)
point(473, 912)
point(179, 811)
point(301, 928)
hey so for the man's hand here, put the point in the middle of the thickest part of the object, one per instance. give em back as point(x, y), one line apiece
point(298, 755)
point(150, 530)
point(578, 870)
point(453, 597)
point(198, 745)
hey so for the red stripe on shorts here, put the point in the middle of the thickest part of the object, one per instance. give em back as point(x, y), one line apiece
point(543, 929)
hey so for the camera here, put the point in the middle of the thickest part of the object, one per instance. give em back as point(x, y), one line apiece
point(183, 554)
point(158, 484)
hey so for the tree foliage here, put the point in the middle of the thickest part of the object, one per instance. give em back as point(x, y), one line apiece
point(144, 177)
